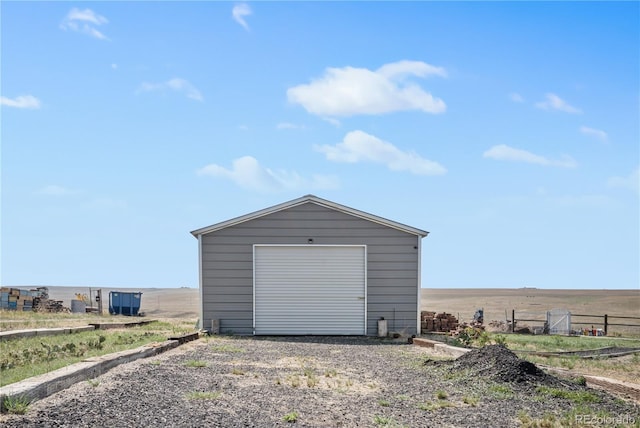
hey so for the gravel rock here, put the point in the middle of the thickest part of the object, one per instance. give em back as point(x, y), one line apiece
point(326, 381)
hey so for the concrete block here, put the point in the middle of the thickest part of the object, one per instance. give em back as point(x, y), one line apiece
point(44, 385)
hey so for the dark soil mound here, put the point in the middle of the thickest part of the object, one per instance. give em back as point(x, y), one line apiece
point(498, 363)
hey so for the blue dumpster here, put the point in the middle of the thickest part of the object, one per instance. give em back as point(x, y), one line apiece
point(124, 303)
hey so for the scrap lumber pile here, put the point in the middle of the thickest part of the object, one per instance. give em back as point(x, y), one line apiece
point(48, 305)
point(500, 326)
point(43, 303)
point(430, 321)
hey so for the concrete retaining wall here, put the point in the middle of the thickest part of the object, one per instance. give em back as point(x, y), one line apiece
point(16, 334)
point(441, 348)
point(42, 386)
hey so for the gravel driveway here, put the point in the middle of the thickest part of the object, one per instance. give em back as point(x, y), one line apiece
point(325, 381)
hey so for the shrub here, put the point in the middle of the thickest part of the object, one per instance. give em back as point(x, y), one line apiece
point(17, 405)
point(500, 339)
point(290, 417)
point(472, 401)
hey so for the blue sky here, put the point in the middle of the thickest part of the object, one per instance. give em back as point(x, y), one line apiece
point(510, 131)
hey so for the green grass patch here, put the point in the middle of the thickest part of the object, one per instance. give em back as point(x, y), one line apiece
point(586, 416)
point(548, 420)
point(31, 356)
point(294, 380)
point(578, 397)
point(330, 373)
point(312, 381)
point(16, 405)
point(384, 403)
point(290, 417)
point(470, 400)
point(547, 343)
point(93, 382)
point(195, 363)
point(203, 395)
point(501, 392)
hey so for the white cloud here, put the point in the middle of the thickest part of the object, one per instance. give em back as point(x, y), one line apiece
point(288, 125)
point(55, 190)
point(176, 84)
point(516, 97)
point(505, 153)
point(358, 146)
point(351, 91)
point(596, 133)
point(333, 121)
point(247, 173)
point(23, 101)
point(239, 12)
point(84, 21)
point(554, 102)
point(631, 182)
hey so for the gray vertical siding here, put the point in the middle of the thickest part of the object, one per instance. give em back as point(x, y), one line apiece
point(227, 265)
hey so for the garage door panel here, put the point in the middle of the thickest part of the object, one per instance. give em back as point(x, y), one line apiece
point(309, 289)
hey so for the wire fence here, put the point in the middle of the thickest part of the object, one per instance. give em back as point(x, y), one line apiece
point(596, 322)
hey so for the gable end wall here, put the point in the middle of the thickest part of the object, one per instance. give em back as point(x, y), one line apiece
point(227, 264)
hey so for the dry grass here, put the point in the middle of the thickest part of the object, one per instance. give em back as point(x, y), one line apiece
point(496, 301)
point(182, 303)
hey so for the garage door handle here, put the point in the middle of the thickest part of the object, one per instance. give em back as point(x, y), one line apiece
point(360, 298)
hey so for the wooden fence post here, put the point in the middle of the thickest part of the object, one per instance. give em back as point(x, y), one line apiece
point(606, 324)
point(513, 321)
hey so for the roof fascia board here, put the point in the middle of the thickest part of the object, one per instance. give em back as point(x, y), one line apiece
point(317, 201)
point(371, 217)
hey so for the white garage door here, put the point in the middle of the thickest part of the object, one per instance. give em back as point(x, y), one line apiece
point(309, 289)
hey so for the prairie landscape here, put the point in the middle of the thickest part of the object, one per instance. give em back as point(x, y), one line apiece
point(361, 379)
point(533, 303)
point(461, 302)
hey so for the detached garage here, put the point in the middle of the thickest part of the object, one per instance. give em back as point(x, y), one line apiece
point(309, 267)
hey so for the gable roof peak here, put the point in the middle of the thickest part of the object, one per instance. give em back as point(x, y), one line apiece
point(310, 199)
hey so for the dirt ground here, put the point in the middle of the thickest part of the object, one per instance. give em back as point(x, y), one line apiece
point(321, 382)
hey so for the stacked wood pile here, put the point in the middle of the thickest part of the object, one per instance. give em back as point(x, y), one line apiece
point(43, 303)
point(48, 305)
point(430, 321)
point(16, 299)
point(35, 299)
